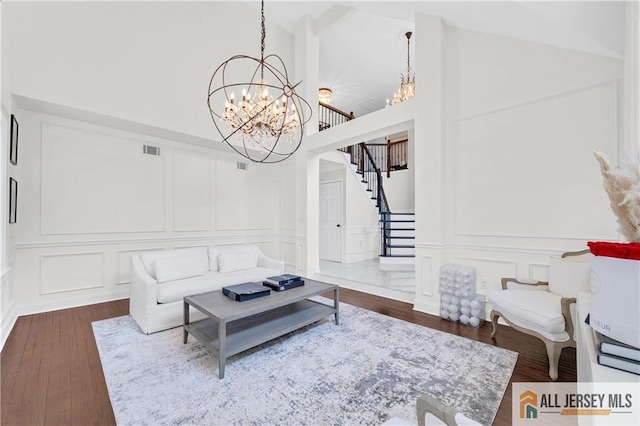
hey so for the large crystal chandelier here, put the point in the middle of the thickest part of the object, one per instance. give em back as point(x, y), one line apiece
point(267, 124)
point(407, 88)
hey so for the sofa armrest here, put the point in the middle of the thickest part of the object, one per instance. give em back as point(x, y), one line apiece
point(267, 262)
point(143, 294)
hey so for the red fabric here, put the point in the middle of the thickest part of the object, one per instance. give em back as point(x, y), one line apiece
point(619, 250)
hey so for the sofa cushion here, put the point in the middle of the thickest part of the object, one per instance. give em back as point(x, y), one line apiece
point(149, 259)
point(237, 260)
point(174, 291)
point(177, 267)
point(533, 309)
point(214, 252)
point(570, 275)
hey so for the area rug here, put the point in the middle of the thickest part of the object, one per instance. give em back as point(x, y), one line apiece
point(362, 372)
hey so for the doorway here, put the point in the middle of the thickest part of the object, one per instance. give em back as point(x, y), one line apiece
point(331, 221)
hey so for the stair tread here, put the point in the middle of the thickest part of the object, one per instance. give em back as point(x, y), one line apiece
point(398, 255)
point(399, 229)
point(401, 237)
point(403, 214)
point(397, 220)
point(400, 246)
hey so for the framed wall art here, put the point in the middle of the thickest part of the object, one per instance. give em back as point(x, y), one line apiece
point(13, 200)
point(13, 146)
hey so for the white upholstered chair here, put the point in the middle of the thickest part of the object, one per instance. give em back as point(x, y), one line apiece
point(545, 309)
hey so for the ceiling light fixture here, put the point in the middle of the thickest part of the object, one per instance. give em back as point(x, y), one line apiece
point(407, 88)
point(325, 95)
point(267, 124)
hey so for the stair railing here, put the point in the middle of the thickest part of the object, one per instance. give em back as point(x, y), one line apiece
point(329, 116)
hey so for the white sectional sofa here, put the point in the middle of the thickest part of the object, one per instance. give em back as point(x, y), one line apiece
point(160, 279)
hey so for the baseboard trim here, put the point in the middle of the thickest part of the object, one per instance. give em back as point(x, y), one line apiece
point(73, 302)
point(8, 321)
point(427, 307)
point(367, 288)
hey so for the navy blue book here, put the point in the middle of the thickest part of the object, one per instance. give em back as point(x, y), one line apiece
point(282, 279)
point(245, 291)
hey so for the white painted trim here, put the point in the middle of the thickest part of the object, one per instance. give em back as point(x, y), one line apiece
point(614, 139)
point(74, 126)
point(243, 238)
point(102, 271)
point(73, 302)
point(427, 307)
point(8, 322)
point(533, 265)
point(375, 290)
point(480, 247)
point(538, 100)
point(426, 264)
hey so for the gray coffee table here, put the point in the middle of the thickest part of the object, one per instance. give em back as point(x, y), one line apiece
point(233, 327)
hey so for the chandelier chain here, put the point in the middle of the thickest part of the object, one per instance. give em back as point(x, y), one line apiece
point(408, 58)
point(264, 36)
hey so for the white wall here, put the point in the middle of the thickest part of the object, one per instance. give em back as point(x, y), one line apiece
point(87, 195)
point(146, 62)
point(399, 190)
point(89, 198)
point(519, 182)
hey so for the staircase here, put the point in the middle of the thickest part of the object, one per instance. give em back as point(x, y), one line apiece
point(368, 161)
point(397, 230)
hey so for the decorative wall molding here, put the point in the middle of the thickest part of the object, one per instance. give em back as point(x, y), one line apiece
point(100, 280)
point(611, 84)
point(482, 247)
point(151, 240)
point(541, 99)
point(9, 318)
point(426, 277)
point(540, 267)
point(71, 302)
point(89, 128)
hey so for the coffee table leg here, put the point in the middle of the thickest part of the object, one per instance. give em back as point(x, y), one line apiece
point(186, 321)
point(222, 337)
point(336, 304)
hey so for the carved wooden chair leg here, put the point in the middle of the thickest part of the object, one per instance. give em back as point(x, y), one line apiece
point(553, 351)
point(494, 321)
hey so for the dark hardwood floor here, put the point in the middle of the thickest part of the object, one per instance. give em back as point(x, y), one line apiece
point(51, 371)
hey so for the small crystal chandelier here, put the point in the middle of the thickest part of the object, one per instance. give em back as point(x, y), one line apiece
point(325, 95)
point(407, 88)
point(267, 124)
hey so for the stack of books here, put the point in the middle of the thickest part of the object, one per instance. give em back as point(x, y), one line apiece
point(245, 291)
point(617, 354)
point(283, 282)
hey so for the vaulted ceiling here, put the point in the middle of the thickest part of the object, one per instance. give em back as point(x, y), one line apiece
point(363, 55)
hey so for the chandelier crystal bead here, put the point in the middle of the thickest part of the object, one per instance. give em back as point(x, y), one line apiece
point(266, 124)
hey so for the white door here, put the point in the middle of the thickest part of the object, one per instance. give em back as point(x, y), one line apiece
point(331, 221)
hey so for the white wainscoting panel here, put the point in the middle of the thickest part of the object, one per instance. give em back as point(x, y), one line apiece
point(539, 271)
point(492, 270)
point(288, 253)
point(511, 168)
point(427, 276)
point(91, 180)
point(65, 272)
point(191, 191)
point(246, 199)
